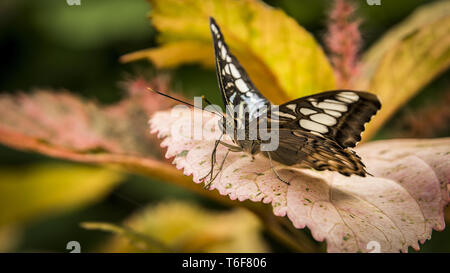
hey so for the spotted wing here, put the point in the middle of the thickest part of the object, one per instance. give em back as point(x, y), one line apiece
point(235, 85)
point(338, 115)
point(307, 150)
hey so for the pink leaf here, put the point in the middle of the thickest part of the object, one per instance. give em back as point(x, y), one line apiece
point(397, 207)
point(65, 121)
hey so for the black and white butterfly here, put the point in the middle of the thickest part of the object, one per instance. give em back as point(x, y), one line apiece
point(314, 131)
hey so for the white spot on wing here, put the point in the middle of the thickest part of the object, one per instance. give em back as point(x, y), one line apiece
point(316, 133)
point(232, 97)
point(292, 107)
point(214, 29)
point(223, 51)
point(313, 126)
point(349, 95)
point(241, 85)
point(234, 71)
point(307, 111)
point(324, 119)
point(333, 113)
point(282, 114)
point(343, 99)
point(331, 106)
point(227, 69)
point(229, 84)
point(333, 101)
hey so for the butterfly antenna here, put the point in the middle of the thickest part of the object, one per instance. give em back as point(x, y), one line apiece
point(214, 106)
point(184, 102)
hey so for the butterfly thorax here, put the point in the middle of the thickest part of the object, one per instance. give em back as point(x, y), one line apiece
point(242, 135)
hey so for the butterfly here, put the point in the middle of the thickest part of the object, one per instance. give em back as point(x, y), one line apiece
point(314, 131)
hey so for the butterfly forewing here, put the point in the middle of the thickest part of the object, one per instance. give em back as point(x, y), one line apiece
point(235, 85)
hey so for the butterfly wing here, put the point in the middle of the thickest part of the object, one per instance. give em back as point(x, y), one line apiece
point(235, 85)
point(313, 131)
point(338, 115)
point(307, 150)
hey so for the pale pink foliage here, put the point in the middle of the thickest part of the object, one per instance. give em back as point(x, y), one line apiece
point(397, 207)
point(59, 117)
point(67, 121)
point(343, 41)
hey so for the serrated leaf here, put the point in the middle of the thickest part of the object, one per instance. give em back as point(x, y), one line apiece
point(81, 126)
point(283, 59)
point(185, 227)
point(63, 125)
point(35, 191)
point(406, 59)
point(397, 207)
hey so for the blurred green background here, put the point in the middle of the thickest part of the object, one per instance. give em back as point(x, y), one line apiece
point(50, 44)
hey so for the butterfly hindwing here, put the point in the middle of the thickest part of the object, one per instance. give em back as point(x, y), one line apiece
point(307, 150)
point(339, 115)
point(235, 85)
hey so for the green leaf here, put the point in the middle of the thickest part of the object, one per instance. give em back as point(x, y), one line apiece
point(406, 59)
point(283, 59)
point(29, 193)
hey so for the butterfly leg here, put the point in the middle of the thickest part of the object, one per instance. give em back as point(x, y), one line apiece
point(275, 171)
point(208, 184)
point(231, 148)
point(213, 160)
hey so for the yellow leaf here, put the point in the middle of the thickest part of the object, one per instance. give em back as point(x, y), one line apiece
point(406, 59)
point(283, 59)
point(172, 54)
point(184, 227)
point(35, 191)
